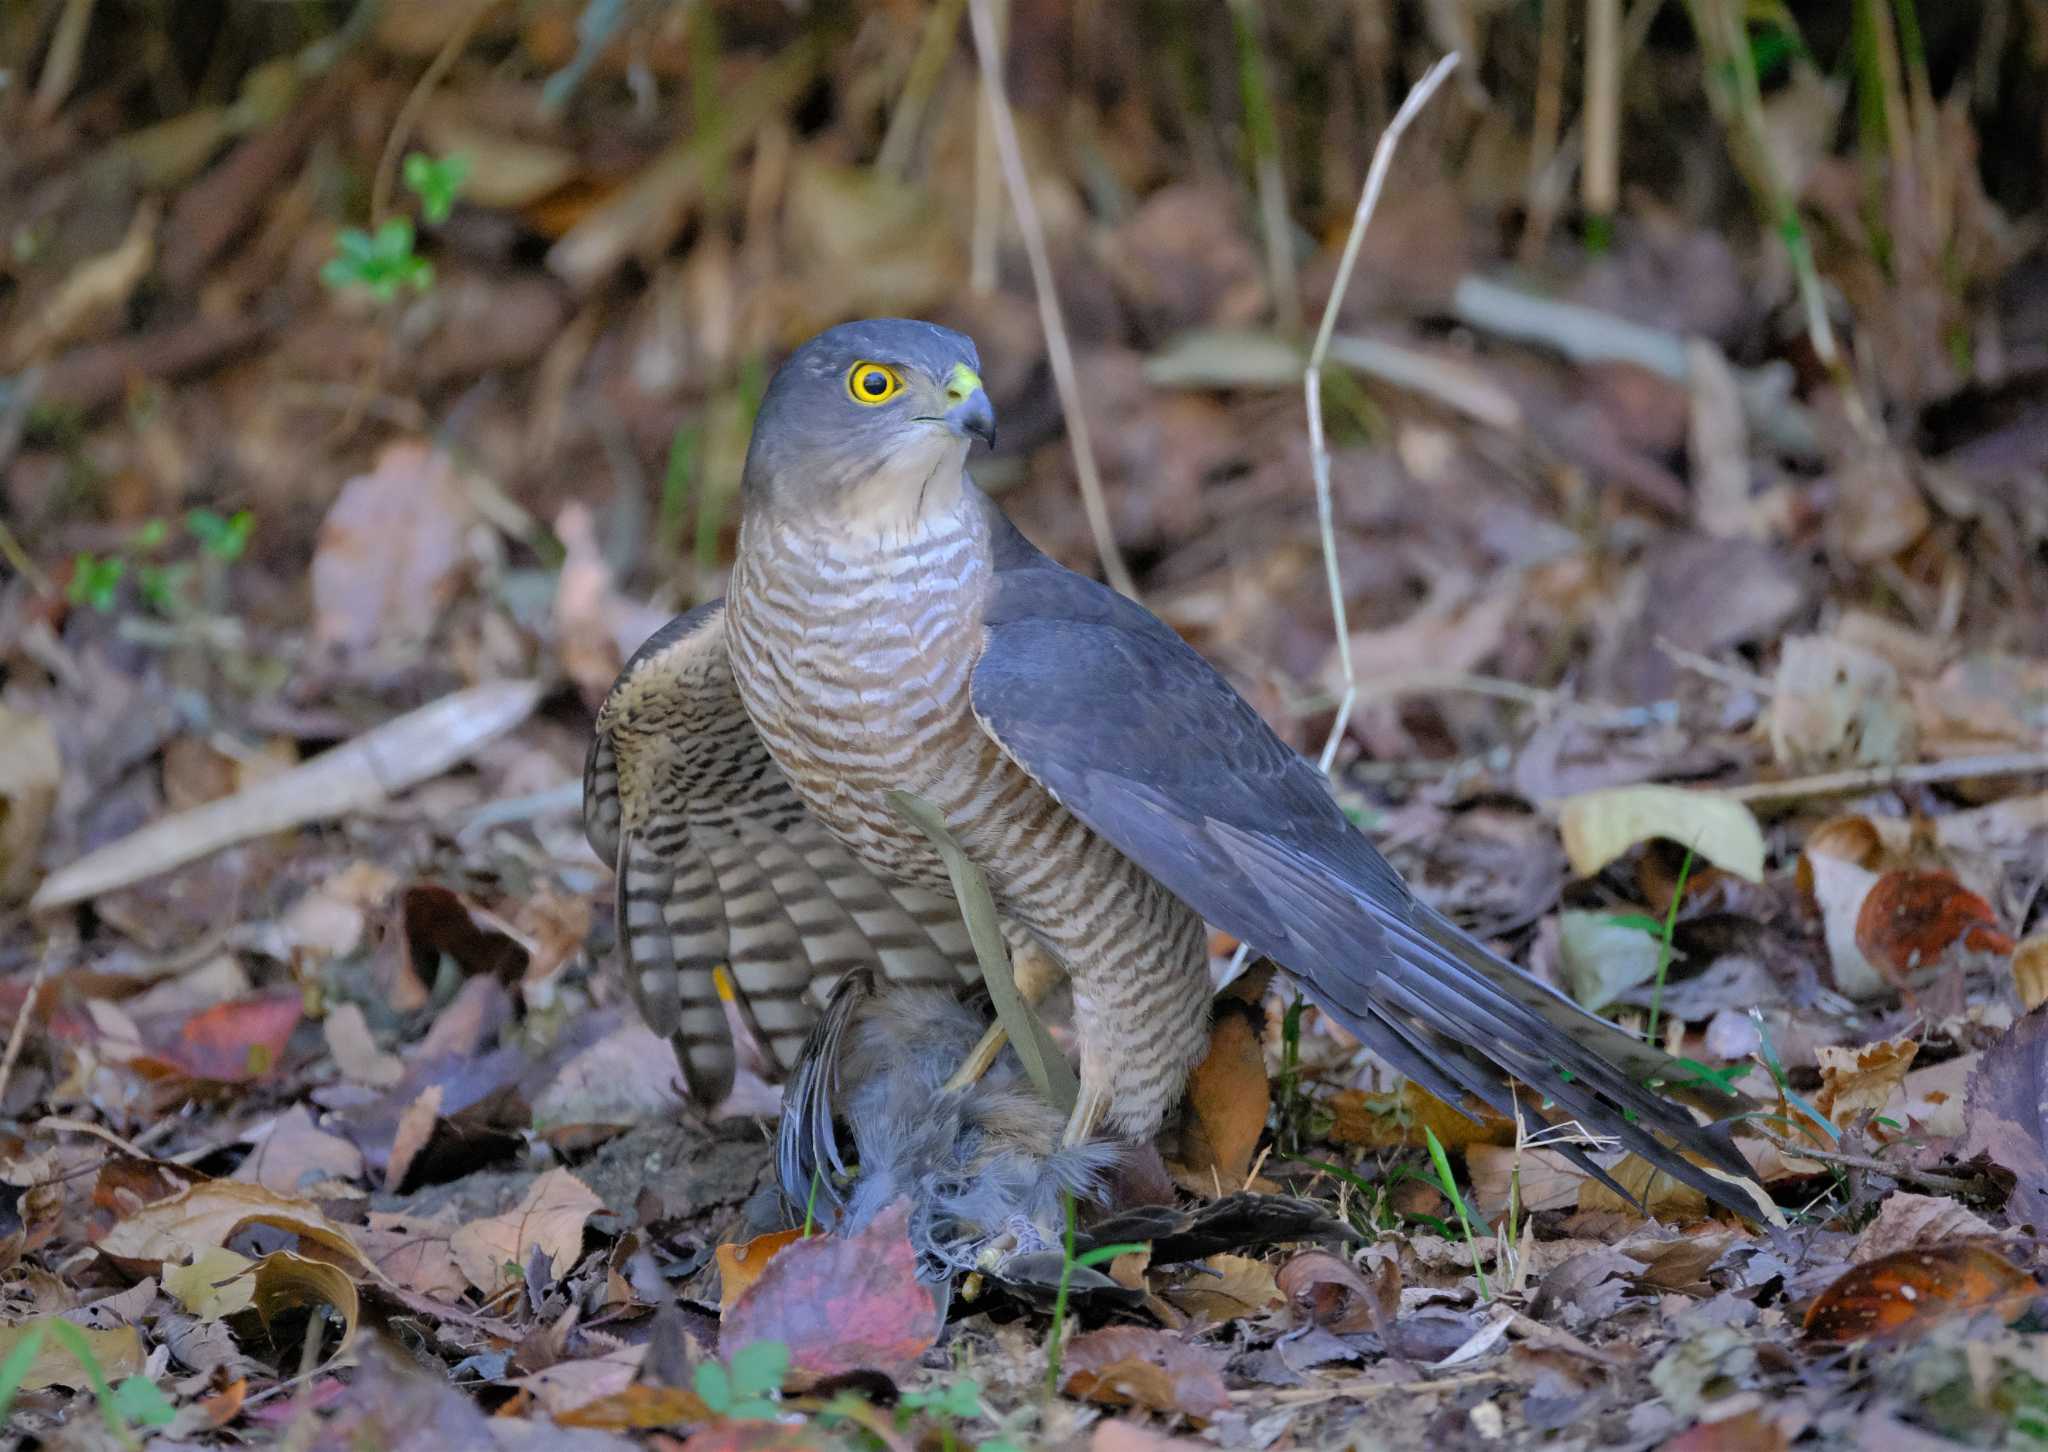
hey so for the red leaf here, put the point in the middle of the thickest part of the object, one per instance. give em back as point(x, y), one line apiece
point(841, 1304)
point(1911, 917)
point(231, 1043)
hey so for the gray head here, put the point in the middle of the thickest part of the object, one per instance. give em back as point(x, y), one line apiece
point(866, 412)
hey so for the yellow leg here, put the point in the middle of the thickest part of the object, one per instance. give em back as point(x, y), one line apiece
point(1036, 971)
point(1088, 1113)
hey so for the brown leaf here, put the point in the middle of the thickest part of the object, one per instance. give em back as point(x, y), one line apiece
point(1744, 1432)
point(355, 1052)
point(390, 553)
point(117, 1352)
point(1855, 1082)
point(30, 770)
point(1903, 1294)
point(492, 1252)
point(1136, 1366)
point(1906, 1220)
point(1326, 1290)
point(636, 1408)
point(1121, 1436)
point(1228, 1097)
point(2006, 1115)
point(739, 1266)
point(1911, 918)
point(841, 1304)
point(1396, 1121)
point(2030, 970)
point(1224, 1288)
point(283, 1281)
point(296, 1152)
point(412, 1250)
point(579, 1382)
point(415, 1127)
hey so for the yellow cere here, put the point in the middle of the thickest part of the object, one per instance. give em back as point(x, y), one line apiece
point(962, 382)
point(872, 383)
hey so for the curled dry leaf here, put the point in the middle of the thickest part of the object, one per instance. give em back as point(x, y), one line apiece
point(209, 1214)
point(841, 1304)
point(1903, 1294)
point(1136, 1366)
point(1600, 826)
point(1327, 1290)
point(1911, 918)
point(548, 1218)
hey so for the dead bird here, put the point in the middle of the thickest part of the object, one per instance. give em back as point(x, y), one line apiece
point(983, 1166)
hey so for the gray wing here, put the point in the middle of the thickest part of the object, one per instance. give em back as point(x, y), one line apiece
point(720, 864)
point(1138, 736)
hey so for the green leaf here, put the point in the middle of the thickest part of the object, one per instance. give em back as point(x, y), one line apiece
point(760, 1368)
point(436, 183)
point(713, 1386)
point(15, 1368)
point(1103, 1253)
point(1641, 922)
point(138, 1399)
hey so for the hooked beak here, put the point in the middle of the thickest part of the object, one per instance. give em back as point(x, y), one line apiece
point(970, 413)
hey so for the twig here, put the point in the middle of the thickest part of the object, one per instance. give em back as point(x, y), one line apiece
point(1904, 1174)
point(926, 66)
point(1734, 677)
point(415, 102)
point(1312, 381)
point(19, 1033)
point(1362, 1390)
point(1599, 182)
point(988, 50)
point(1833, 783)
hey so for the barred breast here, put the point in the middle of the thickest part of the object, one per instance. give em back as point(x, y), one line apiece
point(854, 659)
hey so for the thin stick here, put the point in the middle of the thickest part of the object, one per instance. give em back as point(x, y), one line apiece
point(1312, 381)
point(1600, 181)
point(1904, 1174)
point(926, 66)
point(19, 1033)
point(988, 49)
point(415, 102)
point(2018, 763)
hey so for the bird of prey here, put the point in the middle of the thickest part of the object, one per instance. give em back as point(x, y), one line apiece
point(886, 628)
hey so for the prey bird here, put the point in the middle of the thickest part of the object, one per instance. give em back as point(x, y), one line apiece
point(887, 628)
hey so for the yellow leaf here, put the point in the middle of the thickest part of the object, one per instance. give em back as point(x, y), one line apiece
point(117, 1352)
point(1600, 826)
point(284, 1280)
point(207, 1215)
point(216, 1284)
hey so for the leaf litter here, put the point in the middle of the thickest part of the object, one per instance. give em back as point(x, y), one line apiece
point(1713, 700)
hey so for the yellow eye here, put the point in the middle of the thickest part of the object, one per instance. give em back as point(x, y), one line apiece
point(873, 382)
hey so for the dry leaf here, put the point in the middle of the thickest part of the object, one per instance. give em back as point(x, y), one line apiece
point(1834, 705)
point(283, 1281)
point(295, 1153)
point(30, 769)
point(1600, 826)
point(206, 1215)
point(1397, 1120)
point(1903, 1294)
point(2007, 1115)
point(842, 1304)
point(493, 1252)
point(230, 1043)
point(1547, 1180)
point(1228, 1098)
point(2030, 970)
point(1905, 1220)
point(638, 1407)
point(1909, 919)
point(739, 1266)
point(1239, 1286)
point(1327, 1290)
point(355, 1052)
point(1136, 1366)
point(1859, 1081)
point(390, 553)
point(1839, 889)
point(569, 1385)
point(217, 1283)
point(117, 1353)
point(412, 1251)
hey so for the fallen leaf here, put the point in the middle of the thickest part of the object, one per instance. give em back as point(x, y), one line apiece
point(230, 1043)
point(283, 1281)
point(492, 1252)
point(216, 1284)
point(842, 1304)
point(1749, 1431)
point(1909, 919)
point(389, 556)
point(1604, 957)
point(413, 1251)
point(1136, 1366)
point(1223, 1288)
point(1855, 1082)
point(1836, 705)
point(638, 1407)
point(1397, 1120)
point(1910, 1290)
point(116, 1352)
point(1905, 1220)
point(415, 1128)
point(740, 1265)
point(1228, 1098)
point(209, 1214)
point(1120, 1436)
point(1541, 1179)
point(1839, 889)
point(2006, 1115)
point(355, 1051)
point(1327, 1290)
point(1600, 826)
point(569, 1385)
